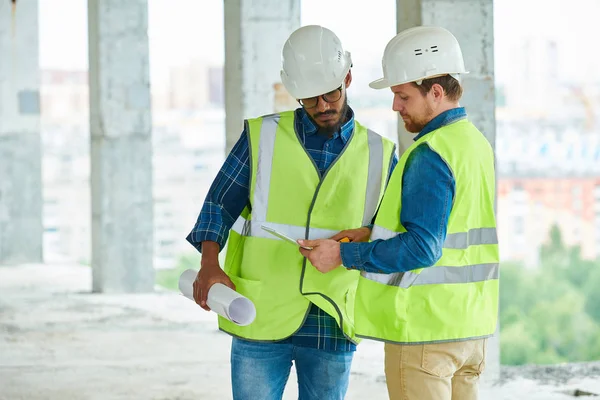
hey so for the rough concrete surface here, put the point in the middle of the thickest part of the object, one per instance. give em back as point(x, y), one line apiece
point(21, 202)
point(121, 174)
point(58, 341)
point(255, 31)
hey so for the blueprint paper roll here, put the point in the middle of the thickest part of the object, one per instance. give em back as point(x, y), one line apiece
point(224, 301)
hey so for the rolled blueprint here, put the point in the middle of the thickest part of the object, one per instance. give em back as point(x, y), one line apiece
point(221, 299)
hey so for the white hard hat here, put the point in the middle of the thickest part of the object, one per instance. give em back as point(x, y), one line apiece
point(314, 62)
point(420, 53)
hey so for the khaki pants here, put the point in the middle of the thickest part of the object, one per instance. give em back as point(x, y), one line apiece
point(441, 371)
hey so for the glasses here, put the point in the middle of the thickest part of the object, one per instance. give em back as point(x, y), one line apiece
point(329, 97)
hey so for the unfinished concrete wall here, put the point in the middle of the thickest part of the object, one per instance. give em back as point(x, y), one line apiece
point(255, 31)
point(21, 228)
point(121, 146)
point(472, 22)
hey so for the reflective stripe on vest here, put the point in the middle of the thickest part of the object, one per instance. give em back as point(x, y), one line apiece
point(438, 275)
point(374, 178)
point(442, 274)
point(253, 228)
point(474, 237)
point(459, 240)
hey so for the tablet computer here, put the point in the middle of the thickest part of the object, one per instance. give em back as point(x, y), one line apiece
point(283, 237)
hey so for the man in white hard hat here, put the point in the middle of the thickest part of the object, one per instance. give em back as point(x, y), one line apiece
point(309, 173)
point(429, 276)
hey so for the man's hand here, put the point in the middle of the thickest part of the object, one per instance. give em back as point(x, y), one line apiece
point(208, 275)
point(355, 235)
point(325, 253)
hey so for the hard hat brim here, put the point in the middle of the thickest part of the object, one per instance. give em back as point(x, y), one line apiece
point(380, 83)
point(383, 83)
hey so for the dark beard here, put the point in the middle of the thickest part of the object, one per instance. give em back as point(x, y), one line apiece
point(330, 130)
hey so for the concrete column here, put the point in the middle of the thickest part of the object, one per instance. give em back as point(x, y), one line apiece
point(21, 228)
point(121, 146)
point(255, 31)
point(472, 22)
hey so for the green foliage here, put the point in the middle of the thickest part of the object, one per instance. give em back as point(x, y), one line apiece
point(523, 344)
point(551, 314)
point(592, 290)
point(169, 278)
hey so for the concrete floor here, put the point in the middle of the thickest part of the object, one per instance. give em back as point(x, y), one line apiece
point(58, 341)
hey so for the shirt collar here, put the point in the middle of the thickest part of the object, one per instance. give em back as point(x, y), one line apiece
point(310, 128)
point(446, 118)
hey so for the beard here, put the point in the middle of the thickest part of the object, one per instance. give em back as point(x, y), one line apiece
point(332, 127)
point(415, 124)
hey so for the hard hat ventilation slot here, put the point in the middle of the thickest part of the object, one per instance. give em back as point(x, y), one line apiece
point(339, 55)
point(434, 49)
point(418, 52)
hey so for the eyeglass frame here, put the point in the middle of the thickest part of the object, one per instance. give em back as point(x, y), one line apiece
point(339, 89)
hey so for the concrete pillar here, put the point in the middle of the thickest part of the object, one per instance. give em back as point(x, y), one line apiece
point(121, 146)
point(472, 22)
point(21, 228)
point(255, 31)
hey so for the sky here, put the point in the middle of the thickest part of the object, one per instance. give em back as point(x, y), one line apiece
point(180, 30)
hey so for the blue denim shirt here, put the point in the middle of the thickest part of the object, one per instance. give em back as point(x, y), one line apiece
point(428, 189)
point(229, 194)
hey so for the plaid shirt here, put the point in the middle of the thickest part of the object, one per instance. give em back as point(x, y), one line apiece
point(229, 194)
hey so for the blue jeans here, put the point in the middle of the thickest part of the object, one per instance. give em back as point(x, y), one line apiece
point(259, 371)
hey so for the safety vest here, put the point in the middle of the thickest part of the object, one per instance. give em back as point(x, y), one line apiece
point(457, 298)
point(288, 193)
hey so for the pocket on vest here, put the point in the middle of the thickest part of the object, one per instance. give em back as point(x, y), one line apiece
point(247, 288)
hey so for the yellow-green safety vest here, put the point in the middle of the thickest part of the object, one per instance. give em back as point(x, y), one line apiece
point(288, 193)
point(457, 298)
